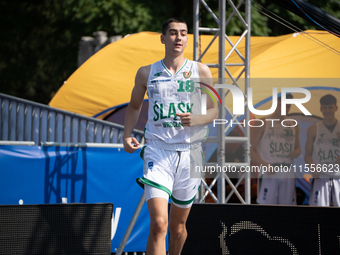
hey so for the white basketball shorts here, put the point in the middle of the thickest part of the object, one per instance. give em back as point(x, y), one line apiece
point(276, 191)
point(170, 171)
point(325, 190)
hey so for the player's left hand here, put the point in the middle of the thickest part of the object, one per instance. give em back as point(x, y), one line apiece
point(293, 154)
point(188, 119)
point(337, 160)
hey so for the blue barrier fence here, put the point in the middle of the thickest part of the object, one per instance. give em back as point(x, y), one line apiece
point(77, 174)
point(23, 120)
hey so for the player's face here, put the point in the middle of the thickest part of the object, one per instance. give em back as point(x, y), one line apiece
point(278, 108)
point(176, 37)
point(328, 111)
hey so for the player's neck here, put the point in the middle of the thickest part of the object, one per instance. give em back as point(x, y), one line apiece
point(329, 122)
point(174, 63)
point(277, 116)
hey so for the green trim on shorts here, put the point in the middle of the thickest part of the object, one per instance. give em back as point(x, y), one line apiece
point(182, 202)
point(141, 154)
point(142, 181)
point(206, 135)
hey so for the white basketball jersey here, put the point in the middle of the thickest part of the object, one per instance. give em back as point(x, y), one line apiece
point(276, 143)
point(170, 94)
point(326, 144)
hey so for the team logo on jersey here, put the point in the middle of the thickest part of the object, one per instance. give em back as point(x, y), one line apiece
point(187, 74)
point(150, 165)
point(157, 74)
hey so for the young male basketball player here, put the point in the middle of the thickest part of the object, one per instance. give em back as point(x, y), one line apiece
point(322, 154)
point(276, 144)
point(173, 134)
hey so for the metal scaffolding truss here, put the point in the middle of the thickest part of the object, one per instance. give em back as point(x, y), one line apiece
point(223, 69)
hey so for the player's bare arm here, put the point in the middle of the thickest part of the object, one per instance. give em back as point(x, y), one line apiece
point(297, 149)
point(255, 137)
point(309, 147)
point(134, 107)
point(189, 119)
point(337, 160)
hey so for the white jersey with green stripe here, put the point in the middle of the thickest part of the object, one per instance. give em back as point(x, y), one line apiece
point(170, 94)
point(326, 145)
point(276, 143)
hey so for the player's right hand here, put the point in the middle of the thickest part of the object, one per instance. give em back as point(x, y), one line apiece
point(130, 144)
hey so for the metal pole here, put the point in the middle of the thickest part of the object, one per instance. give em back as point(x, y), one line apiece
point(247, 114)
point(221, 115)
point(131, 225)
point(196, 28)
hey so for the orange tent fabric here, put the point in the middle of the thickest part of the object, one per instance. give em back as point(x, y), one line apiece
point(107, 78)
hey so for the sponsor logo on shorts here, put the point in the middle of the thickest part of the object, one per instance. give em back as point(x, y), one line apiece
point(150, 165)
point(316, 196)
point(265, 193)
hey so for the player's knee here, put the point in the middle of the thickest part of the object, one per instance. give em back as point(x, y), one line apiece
point(158, 227)
point(177, 229)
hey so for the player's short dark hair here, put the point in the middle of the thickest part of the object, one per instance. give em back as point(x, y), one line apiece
point(328, 100)
point(171, 20)
point(288, 96)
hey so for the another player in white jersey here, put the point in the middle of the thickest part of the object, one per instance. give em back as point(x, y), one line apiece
point(323, 155)
point(274, 145)
point(173, 134)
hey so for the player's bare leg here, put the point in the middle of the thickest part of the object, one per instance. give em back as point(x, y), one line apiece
point(158, 210)
point(177, 230)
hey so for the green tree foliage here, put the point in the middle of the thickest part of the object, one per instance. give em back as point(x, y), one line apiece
point(274, 24)
point(39, 39)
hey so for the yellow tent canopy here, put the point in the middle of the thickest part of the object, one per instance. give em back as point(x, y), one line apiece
point(310, 59)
